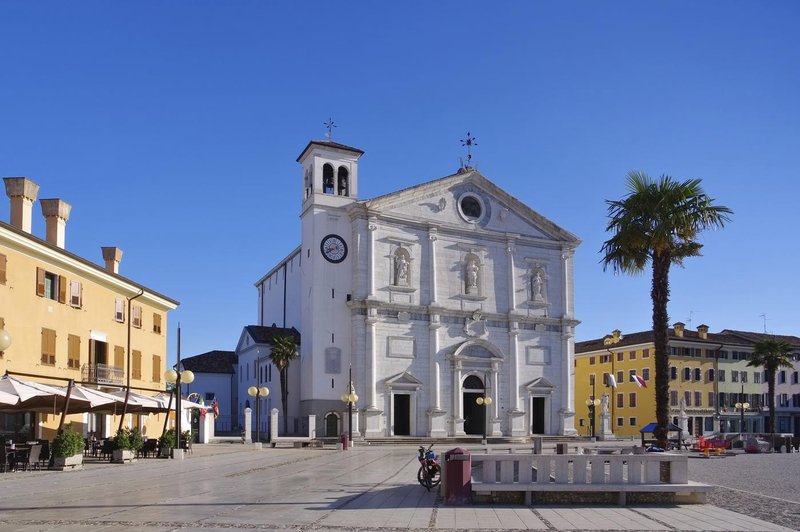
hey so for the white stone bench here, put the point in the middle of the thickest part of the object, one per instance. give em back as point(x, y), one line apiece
point(296, 442)
point(617, 474)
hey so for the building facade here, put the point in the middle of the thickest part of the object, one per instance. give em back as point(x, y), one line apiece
point(709, 382)
point(430, 297)
point(70, 318)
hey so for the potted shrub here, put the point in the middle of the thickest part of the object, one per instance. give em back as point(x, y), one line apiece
point(127, 443)
point(167, 443)
point(67, 449)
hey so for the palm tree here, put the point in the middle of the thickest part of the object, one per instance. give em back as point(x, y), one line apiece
point(772, 354)
point(658, 222)
point(284, 350)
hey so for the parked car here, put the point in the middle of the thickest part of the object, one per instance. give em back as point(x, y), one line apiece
point(756, 445)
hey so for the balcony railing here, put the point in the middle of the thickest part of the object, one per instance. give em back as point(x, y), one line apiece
point(102, 374)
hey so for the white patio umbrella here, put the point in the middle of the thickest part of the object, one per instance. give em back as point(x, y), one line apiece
point(186, 404)
point(38, 397)
point(99, 401)
point(139, 403)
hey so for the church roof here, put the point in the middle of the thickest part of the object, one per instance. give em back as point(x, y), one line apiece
point(211, 362)
point(266, 335)
point(328, 144)
point(469, 175)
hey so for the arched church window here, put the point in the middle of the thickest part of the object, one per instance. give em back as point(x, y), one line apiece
point(402, 268)
point(343, 181)
point(473, 383)
point(327, 179)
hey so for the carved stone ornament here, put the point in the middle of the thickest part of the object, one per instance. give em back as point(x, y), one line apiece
point(442, 204)
point(475, 325)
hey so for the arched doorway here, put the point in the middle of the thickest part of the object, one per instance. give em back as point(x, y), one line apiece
point(474, 414)
point(332, 425)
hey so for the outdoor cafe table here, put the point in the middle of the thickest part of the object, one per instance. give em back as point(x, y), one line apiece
point(17, 454)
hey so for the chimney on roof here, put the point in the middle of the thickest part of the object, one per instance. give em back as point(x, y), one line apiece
point(678, 326)
point(56, 214)
point(702, 331)
point(22, 193)
point(112, 256)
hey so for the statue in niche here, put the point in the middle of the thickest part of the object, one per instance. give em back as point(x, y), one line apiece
point(472, 277)
point(400, 270)
point(537, 284)
point(604, 404)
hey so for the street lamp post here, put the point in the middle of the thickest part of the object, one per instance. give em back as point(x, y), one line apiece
point(258, 393)
point(484, 401)
point(178, 377)
point(350, 398)
point(592, 403)
point(741, 407)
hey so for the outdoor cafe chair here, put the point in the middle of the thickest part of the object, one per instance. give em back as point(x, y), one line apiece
point(32, 460)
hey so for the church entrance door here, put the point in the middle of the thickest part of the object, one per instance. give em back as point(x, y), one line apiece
point(474, 414)
point(537, 415)
point(402, 414)
point(332, 425)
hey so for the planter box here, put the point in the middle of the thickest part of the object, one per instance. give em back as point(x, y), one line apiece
point(120, 456)
point(68, 463)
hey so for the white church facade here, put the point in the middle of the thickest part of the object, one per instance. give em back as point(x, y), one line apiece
point(432, 297)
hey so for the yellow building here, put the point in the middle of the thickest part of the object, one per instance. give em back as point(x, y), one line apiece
point(708, 376)
point(71, 318)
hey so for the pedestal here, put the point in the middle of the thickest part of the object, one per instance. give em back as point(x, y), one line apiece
point(605, 428)
point(683, 423)
point(494, 428)
point(516, 420)
point(373, 420)
point(437, 424)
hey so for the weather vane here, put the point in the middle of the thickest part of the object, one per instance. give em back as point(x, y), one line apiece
point(329, 125)
point(469, 142)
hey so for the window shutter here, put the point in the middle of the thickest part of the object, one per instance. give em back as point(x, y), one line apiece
point(2, 269)
point(75, 294)
point(62, 289)
point(119, 310)
point(119, 356)
point(39, 282)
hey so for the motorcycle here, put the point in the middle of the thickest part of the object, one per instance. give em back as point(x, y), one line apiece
point(430, 473)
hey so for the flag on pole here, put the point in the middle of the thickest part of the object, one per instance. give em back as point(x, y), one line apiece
point(611, 381)
point(639, 380)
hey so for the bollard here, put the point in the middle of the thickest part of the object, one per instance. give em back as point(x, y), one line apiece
point(345, 442)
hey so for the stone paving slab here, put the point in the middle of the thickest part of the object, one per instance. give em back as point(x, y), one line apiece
point(224, 487)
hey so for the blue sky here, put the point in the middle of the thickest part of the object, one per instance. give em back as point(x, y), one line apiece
point(173, 127)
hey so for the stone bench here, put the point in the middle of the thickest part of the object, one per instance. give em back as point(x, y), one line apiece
point(579, 474)
point(297, 443)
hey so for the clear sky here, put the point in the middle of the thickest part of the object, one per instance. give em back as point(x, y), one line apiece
point(172, 128)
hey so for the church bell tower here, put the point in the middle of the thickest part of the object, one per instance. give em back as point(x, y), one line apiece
point(330, 184)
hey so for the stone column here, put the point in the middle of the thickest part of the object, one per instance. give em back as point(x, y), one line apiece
point(372, 413)
point(273, 424)
point(372, 225)
point(512, 285)
point(494, 408)
point(432, 237)
point(458, 408)
point(515, 414)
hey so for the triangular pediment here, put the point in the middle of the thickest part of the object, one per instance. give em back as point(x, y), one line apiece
point(404, 381)
point(439, 202)
point(540, 384)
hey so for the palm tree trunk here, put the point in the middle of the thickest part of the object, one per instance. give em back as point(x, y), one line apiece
point(771, 400)
point(284, 400)
point(660, 296)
